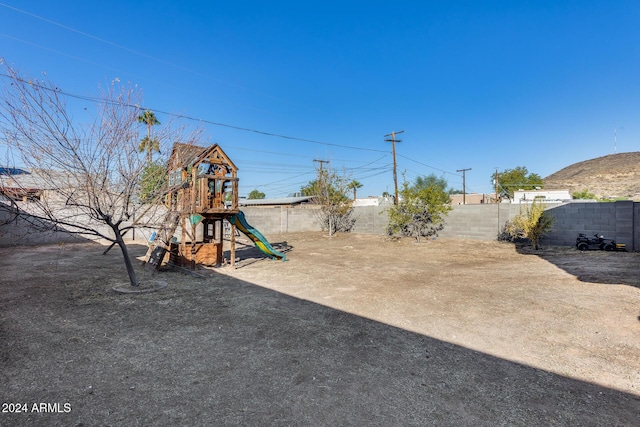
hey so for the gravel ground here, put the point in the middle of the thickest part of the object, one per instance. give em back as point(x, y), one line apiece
point(352, 330)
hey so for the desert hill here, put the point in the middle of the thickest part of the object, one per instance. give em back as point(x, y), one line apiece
point(612, 176)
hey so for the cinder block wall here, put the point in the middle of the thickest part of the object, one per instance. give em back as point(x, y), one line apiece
point(481, 222)
point(615, 220)
point(575, 218)
point(625, 227)
point(18, 231)
point(478, 222)
point(636, 231)
point(22, 231)
point(282, 219)
point(618, 220)
point(371, 219)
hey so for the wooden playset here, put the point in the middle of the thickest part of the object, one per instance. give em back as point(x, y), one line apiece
point(202, 197)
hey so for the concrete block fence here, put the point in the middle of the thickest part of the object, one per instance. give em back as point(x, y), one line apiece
point(478, 222)
point(616, 220)
point(285, 219)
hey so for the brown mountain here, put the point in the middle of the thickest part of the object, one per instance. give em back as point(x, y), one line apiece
point(612, 176)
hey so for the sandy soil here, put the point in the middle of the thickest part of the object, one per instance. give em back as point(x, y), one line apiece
point(351, 330)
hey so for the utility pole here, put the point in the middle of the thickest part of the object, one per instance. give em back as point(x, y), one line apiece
point(321, 181)
point(321, 163)
point(495, 183)
point(393, 141)
point(464, 186)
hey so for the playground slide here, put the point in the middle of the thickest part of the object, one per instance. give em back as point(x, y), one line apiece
point(261, 243)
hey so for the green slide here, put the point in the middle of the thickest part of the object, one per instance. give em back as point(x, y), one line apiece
point(261, 243)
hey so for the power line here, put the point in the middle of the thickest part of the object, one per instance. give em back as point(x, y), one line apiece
point(266, 133)
point(370, 163)
point(57, 52)
point(181, 116)
point(363, 168)
point(125, 48)
point(163, 61)
point(281, 180)
point(110, 43)
point(98, 100)
point(429, 166)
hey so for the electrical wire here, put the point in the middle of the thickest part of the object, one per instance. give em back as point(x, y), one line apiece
point(173, 65)
point(190, 118)
point(66, 27)
point(429, 166)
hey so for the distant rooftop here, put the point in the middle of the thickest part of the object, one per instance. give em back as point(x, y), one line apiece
point(34, 179)
point(12, 171)
point(274, 202)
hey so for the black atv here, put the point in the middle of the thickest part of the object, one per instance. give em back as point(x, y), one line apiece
point(598, 241)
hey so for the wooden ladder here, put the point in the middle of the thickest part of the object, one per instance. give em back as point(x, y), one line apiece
point(162, 241)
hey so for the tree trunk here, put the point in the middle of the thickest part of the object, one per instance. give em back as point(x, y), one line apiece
point(125, 254)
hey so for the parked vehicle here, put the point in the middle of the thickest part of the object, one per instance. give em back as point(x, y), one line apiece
point(598, 241)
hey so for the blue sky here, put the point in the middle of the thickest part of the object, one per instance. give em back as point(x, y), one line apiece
point(474, 84)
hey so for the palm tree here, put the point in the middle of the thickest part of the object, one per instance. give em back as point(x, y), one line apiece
point(148, 143)
point(355, 184)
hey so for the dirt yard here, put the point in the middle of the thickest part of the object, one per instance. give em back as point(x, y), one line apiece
point(352, 330)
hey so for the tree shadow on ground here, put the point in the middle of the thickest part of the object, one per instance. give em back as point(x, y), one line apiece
point(219, 351)
point(593, 266)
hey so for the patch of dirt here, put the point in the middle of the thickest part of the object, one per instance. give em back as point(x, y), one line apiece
point(351, 330)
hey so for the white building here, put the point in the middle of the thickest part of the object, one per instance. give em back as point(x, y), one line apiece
point(528, 196)
point(373, 201)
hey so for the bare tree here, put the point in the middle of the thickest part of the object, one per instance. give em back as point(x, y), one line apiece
point(89, 172)
point(330, 192)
